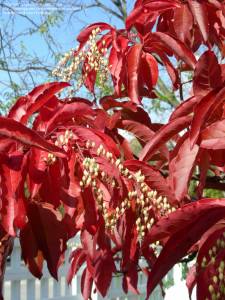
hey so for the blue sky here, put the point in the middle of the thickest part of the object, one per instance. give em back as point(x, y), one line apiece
point(65, 33)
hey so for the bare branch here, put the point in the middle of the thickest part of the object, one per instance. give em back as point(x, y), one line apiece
point(25, 69)
point(4, 55)
point(109, 10)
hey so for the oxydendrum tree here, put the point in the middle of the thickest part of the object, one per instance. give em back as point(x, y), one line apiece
point(66, 167)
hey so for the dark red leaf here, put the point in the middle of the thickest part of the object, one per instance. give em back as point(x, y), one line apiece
point(86, 284)
point(26, 106)
point(133, 69)
point(177, 47)
point(12, 181)
point(185, 227)
point(89, 242)
point(140, 131)
point(163, 135)
point(90, 211)
point(184, 108)
point(149, 71)
point(38, 97)
point(77, 258)
point(104, 269)
point(181, 168)
point(200, 14)
point(183, 22)
point(84, 34)
point(109, 102)
point(207, 75)
point(68, 111)
point(153, 6)
point(6, 247)
point(117, 70)
point(45, 234)
point(213, 136)
point(17, 131)
point(202, 111)
point(191, 279)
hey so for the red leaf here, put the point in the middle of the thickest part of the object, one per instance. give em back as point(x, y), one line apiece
point(109, 102)
point(139, 114)
point(90, 211)
point(191, 279)
point(149, 71)
point(31, 254)
point(202, 111)
point(200, 14)
point(77, 258)
point(213, 136)
point(117, 70)
point(133, 68)
point(185, 227)
point(140, 131)
point(68, 111)
point(45, 233)
point(204, 165)
point(172, 71)
point(26, 106)
point(181, 168)
point(108, 142)
point(84, 34)
point(177, 47)
point(6, 246)
point(38, 97)
point(89, 242)
point(184, 216)
point(184, 108)
point(104, 269)
point(13, 176)
point(153, 6)
point(130, 279)
point(17, 131)
point(71, 191)
point(86, 284)
point(52, 183)
point(182, 22)
point(163, 135)
point(207, 75)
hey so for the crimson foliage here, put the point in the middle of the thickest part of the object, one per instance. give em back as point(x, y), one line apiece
point(73, 172)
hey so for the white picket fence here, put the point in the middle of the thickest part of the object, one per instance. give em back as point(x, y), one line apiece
point(21, 285)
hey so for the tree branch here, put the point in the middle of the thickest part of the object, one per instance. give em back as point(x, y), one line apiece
point(25, 69)
point(109, 10)
point(4, 55)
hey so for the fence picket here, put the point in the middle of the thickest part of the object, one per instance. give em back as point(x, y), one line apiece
point(30, 289)
point(15, 290)
point(47, 288)
point(56, 288)
point(44, 288)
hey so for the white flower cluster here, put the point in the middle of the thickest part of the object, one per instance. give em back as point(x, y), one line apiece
point(92, 57)
point(145, 201)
